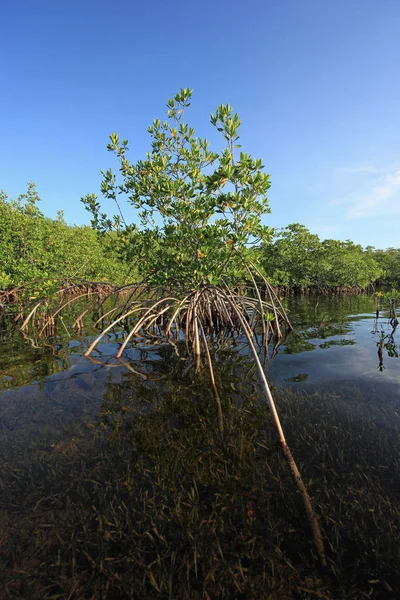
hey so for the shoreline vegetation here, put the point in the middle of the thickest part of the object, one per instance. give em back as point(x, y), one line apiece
point(37, 248)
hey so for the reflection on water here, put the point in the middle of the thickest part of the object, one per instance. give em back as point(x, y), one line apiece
point(335, 342)
point(386, 343)
point(114, 468)
point(334, 338)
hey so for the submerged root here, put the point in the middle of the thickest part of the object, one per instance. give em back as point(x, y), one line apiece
point(212, 308)
point(205, 312)
point(144, 310)
point(311, 515)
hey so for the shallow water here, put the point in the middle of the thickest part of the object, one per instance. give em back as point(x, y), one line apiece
point(61, 414)
point(333, 346)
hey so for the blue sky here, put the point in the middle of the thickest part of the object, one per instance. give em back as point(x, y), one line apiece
point(316, 84)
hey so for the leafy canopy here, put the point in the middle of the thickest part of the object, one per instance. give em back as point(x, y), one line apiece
point(196, 206)
point(299, 260)
point(34, 247)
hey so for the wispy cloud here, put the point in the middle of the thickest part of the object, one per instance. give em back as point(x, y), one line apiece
point(375, 191)
point(361, 169)
point(324, 230)
point(382, 200)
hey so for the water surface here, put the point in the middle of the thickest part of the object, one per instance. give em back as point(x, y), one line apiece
point(116, 483)
point(334, 346)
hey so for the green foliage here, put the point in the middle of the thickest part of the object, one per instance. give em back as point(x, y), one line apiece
point(199, 219)
point(393, 294)
point(195, 206)
point(389, 261)
point(298, 259)
point(35, 247)
point(289, 260)
point(349, 264)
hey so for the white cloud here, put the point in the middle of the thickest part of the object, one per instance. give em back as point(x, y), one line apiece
point(380, 198)
point(361, 169)
point(367, 191)
point(324, 230)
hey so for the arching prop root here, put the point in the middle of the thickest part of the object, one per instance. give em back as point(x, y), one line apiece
point(40, 312)
point(208, 309)
point(311, 515)
point(203, 313)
